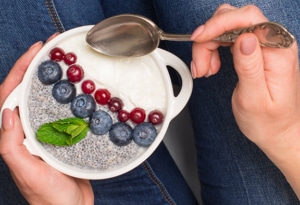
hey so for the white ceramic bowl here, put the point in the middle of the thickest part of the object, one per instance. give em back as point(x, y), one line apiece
point(159, 58)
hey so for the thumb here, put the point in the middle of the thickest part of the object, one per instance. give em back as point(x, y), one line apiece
point(248, 62)
point(12, 149)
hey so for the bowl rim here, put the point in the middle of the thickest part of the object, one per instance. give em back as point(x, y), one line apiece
point(73, 171)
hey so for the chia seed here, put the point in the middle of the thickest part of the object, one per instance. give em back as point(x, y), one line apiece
point(93, 152)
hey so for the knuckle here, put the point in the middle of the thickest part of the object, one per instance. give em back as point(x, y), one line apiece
point(253, 11)
point(223, 8)
point(4, 151)
point(251, 8)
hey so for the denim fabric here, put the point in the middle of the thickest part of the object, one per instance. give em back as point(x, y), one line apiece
point(232, 170)
point(156, 181)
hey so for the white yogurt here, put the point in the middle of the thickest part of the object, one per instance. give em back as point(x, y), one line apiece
point(137, 81)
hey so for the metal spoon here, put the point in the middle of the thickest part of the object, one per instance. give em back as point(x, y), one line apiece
point(130, 35)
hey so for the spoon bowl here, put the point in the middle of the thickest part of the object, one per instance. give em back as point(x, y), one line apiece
point(124, 35)
point(129, 35)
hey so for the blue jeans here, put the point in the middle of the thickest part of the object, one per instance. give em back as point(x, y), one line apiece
point(232, 170)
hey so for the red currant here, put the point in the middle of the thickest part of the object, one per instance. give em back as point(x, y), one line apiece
point(88, 86)
point(155, 117)
point(56, 54)
point(137, 115)
point(102, 96)
point(123, 115)
point(115, 104)
point(75, 73)
point(70, 58)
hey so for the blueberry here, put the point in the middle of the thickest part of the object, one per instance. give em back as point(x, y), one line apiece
point(120, 134)
point(49, 72)
point(63, 91)
point(100, 122)
point(144, 134)
point(83, 106)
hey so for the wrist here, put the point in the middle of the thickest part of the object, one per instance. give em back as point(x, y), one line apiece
point(290, 167)
point(284, 151)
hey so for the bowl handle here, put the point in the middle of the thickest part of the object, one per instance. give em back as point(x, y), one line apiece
point(11, 102)
point(180, 101)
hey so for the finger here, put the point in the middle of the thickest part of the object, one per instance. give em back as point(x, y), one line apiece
point(249, 65)
point(206, 61)
point(12, 150)
point(52, 37)
point(282, 68)
point(16, 74)
point(226, 20)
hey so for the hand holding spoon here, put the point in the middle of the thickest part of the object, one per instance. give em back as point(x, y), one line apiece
point(130, 35)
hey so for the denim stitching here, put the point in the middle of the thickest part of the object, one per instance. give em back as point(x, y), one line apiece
point(54, 16)
point(160, 186)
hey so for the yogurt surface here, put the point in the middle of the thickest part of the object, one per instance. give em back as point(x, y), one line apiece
point(137, 81)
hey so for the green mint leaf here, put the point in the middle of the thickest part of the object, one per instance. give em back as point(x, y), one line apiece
point(66, 125)
point(60, 127)
point(63, 132)
point(70, 129)
point(46, 133)
point(77, 131)
point(78, 137)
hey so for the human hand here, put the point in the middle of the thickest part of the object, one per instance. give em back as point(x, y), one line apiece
point(38, 182)
point(266, 99)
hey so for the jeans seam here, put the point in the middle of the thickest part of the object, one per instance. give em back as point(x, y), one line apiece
point(54, 16)
point(156, 180)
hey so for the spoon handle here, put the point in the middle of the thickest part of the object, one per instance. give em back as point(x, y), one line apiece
point(269, 34)
point(174, 37)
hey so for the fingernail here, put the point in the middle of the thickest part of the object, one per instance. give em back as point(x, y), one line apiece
point(193, 70)
point(208, 74)
point(55, 34)
point(197, 32)
point(7, 119)
point(248, 45)
point(36, 44)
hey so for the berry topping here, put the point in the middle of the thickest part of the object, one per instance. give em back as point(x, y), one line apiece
point(83, 106)
point(56, 54)
point(144, 134)
point(88, 86)
point(155, 117)
point(100, 122)
point(115, 104)
point(49, 72)
point(102, 96)
point(64, 91)
point(123, 115)
point(75, 73)
point(120, 134)
point(137, 115)
point(70, 58)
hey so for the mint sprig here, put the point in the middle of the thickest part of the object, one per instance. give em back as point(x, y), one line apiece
point(63, 132)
